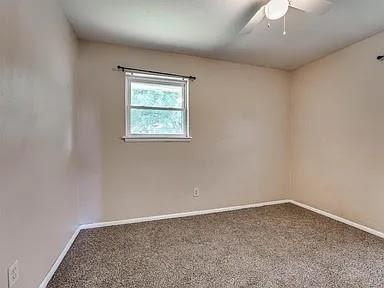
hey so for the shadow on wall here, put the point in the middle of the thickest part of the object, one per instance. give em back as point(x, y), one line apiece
point(88, 144)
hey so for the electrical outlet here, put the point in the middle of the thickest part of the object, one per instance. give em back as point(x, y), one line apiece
point(196, 192)
point(13, 274)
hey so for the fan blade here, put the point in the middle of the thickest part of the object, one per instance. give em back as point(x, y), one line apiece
point(256, 19)
point(313, 6)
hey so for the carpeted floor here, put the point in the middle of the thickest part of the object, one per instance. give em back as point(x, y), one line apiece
point(274, 246)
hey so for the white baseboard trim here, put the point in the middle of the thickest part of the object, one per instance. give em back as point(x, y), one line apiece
point(195, 213)
point(59, 259)
point(232, 208)
point(340, 219)
point(145, 219)
point(180, 215)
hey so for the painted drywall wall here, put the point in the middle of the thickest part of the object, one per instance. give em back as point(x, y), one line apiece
point(338, 133)
point(238, 154)
point(38, 197)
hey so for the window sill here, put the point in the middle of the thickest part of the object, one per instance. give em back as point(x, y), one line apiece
point(156, 139)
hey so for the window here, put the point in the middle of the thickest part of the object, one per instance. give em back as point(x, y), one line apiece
point(156, 108)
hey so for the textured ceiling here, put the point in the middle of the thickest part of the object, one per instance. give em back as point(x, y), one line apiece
point(209, 28)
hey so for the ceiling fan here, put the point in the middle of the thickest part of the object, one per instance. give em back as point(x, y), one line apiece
point(276, 9)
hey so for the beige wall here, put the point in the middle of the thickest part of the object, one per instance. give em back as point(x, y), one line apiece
point(238, 154)
point(38, 198)
point(338, 133)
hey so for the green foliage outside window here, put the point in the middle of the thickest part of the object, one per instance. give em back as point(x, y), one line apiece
point(156, 95)
point(156, 121)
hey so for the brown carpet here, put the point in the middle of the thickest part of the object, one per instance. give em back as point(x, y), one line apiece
point(274, 246)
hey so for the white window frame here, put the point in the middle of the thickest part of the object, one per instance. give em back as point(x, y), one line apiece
point(161, 80)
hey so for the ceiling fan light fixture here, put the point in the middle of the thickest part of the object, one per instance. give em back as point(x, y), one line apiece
point(276, 9)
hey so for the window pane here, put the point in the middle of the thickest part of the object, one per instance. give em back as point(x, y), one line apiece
point(156, 95)
point(145, 121)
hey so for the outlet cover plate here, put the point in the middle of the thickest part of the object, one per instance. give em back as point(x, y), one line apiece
point(13, 274)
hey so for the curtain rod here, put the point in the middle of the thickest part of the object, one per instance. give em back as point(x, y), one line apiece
point(124, 69)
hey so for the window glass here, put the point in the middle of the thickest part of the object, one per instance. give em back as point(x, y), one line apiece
point(157, 107)
point(164, 122)
point(156, 95)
